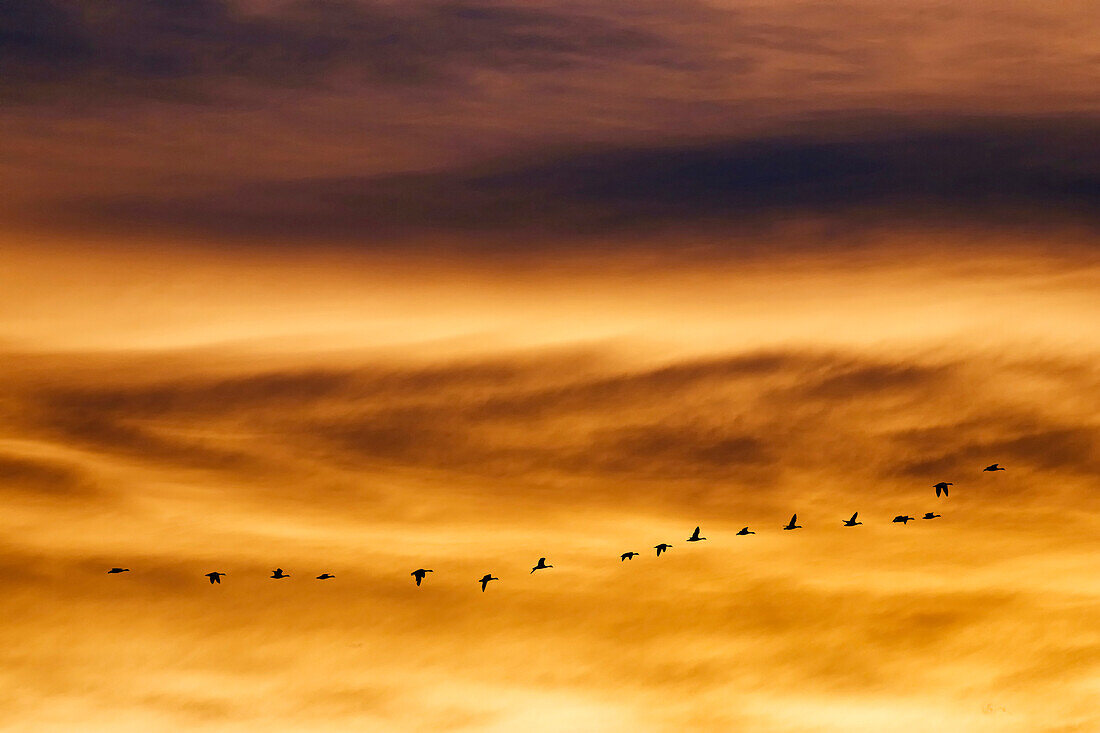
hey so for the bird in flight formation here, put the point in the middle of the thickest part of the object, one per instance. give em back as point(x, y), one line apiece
point(420, 573)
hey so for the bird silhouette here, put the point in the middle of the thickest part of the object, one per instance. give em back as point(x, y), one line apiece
point(215, 577)
point(930, 515)
point(325, 576)
point(942, 486)
point(419, 574)
point(745, 530)
point(485, 580)
point(695, 536)
point(903, 518)
point(627, 556)
point(994, 467)
point(852, 522)
point(112, 571)
point(663, 547)
point(279, 574)
point(791, 524)
point(542, 565)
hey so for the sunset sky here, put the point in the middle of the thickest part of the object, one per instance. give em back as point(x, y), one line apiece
point(364, 286)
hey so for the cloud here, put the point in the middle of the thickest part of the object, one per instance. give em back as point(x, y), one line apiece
point(1023, 173)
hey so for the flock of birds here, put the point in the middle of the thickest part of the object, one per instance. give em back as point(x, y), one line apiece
point(420, 573)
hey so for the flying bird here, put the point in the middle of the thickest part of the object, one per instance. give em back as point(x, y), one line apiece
point(419, 574)
point(942, 486)
point(930, 515)
point(903, 518)
point(661, 548)
point(627, 556)
point(325, 576)
point(994, 467)
point(745, 530)
point(215, 578)
point(279, 574)
point(791, 524)
point(112, 571)
point(695, 536)
point(542, 565)
point(852, 522)
point(485, 580)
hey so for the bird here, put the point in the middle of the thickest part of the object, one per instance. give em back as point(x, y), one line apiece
point(279, 574)
point(627, 556)
point(419, 574)
point(485, 580)
point(695, 536)
point(745, 530)
point(215, 577)
point(942, 486)
point(542, 565)
point(325, 576)
point(791, 524)
point(852, 522)
point(994, 467)
point(112, 571)
point(930, 515)
point(903, 518)
point(663, 547)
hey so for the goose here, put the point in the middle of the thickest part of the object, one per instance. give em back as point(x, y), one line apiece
point(542, 565)
point(663, 547)
point(485, 580)
point(942, 486)
point(695, 536)
point(791, 524)
point(852, 522)
point(419, 574)
point(215, 577)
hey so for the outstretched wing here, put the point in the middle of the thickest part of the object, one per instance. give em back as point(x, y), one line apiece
point(854, 517)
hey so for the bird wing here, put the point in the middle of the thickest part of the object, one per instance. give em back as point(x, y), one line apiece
point(794, 518)
point(854, 517)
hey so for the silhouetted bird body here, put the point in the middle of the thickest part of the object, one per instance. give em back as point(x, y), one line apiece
point(663, 547)
point(695, 536)
point(325, 576)
point(745, 530)
point(852, 522)
point(627, 556)
point(279, 574)
point(215, 577)
point(419, 574)
point(791, 524)
point(904, 519)
point(485, 580)
point(112, 571)
point(942, 487)
point(541, 565)
point(930, 515)
point(994, 467)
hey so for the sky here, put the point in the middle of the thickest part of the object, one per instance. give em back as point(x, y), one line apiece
point(360, 287)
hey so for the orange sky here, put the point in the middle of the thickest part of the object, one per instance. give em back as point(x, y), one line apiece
point(242, 414)
point(360, 287)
